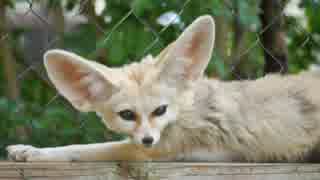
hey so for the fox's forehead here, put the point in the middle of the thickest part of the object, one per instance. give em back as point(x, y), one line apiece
point(139, 86)
point(140, 74)
point(144, 98)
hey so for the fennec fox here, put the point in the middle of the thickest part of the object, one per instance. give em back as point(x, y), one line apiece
point(171, 112)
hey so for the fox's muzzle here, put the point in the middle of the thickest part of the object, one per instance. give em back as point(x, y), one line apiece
point(147, 141)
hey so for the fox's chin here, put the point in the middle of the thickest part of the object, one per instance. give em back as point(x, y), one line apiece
point(143, 145)
point(148, 145)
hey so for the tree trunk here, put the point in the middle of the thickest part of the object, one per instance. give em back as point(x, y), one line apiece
point(273, 37)
point(46, 33)
point(6, 56)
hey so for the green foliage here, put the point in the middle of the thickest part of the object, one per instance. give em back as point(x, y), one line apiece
point(9, 3)
point(140, 7)
point(85, 38)
point(312, 11)
point(52, 125)
point(304, 43)
point(248, 11)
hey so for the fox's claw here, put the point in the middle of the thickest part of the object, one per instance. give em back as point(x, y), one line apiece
point(23, 153)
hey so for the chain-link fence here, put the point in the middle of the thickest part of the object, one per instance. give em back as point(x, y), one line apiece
point(253, 38)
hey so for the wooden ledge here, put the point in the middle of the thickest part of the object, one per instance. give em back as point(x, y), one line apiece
point(157, 171)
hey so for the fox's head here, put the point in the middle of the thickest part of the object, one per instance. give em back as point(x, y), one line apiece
point(141, 99)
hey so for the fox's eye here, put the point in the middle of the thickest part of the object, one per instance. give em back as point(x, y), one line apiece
point(160, 110)
point(127, 115)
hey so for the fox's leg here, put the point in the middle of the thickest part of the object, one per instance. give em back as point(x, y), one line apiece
point(122, 150)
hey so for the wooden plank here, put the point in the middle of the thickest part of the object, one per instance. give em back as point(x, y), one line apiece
point(157, 171)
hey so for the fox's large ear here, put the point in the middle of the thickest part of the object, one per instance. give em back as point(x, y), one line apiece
point(187, 58)
point(80, 81)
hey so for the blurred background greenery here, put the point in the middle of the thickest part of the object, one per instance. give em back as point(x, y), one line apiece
point(254, 37)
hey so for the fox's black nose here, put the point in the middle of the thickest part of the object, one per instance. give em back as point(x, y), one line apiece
point(147, 141)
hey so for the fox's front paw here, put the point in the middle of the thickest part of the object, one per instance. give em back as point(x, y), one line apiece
point(30, 153)
point(24, 153)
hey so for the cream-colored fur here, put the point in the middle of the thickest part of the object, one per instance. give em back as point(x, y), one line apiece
point(275, 118)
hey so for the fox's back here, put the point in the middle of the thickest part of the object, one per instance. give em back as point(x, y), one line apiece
point(272, 118)
point(305, 85)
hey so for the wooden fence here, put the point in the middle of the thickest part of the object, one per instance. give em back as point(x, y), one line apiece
point(157, 171)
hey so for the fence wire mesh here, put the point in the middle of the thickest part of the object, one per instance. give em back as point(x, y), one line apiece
point(31, 27)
